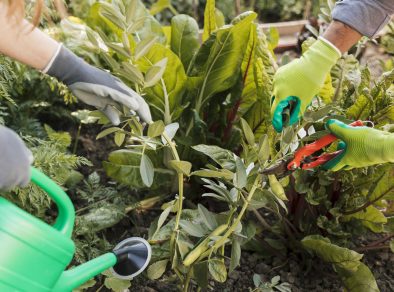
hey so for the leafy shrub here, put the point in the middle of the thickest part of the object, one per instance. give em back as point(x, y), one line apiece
point(212, 137)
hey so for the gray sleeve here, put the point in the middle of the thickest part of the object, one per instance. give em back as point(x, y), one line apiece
point(368, 17)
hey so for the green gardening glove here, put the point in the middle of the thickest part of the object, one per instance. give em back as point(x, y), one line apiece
point(300, 80)
point(362, 146)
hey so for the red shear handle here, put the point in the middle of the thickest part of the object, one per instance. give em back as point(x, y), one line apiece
point(309, 149)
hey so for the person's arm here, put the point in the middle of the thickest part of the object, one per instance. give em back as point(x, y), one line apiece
point(296, 83)
point(24, 43)
point(27, 44)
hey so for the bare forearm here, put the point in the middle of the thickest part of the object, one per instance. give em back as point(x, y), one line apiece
point(22, 42)
point(341, 35)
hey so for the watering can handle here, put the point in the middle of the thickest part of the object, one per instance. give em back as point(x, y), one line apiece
point(66, 217)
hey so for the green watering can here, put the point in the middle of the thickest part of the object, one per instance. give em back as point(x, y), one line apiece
point(34, 255)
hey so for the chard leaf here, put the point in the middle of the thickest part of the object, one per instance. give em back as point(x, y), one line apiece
point(257, 114)
point(383, 187)
point(342, 257)
point(371, 218)
point(124, 167)
point(165, 97)
point(217, 64)
point(361, 280)
point(209, 19)
point(184, 38)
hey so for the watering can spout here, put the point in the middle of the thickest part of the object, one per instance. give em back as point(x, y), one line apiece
point(77, 276)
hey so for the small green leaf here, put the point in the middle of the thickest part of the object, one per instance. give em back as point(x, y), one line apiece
point(223, 157)
point(162, 218)
point(392, 245)
point(146, 170)
point(181, 166)
point(247, 132)
point(119, 138)
point(117, 285)
point(196, 230)
point(157, 269)
point(84, 287)
point(222, 173)
point(170, 130)
point(264, 148)
point(144, 46)
point(207, 217)
point(155, 73)
point(218, 270)
point(108, 131)
point(156, 129)
point(235, 254)
point(240, 178)
point(131, 73)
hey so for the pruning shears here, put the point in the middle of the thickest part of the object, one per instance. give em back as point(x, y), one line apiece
point(303, 158)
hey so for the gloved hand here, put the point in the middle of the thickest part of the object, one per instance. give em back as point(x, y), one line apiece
point(362, 146)
point(300, 80)
point(15, 160)
point(97, 87)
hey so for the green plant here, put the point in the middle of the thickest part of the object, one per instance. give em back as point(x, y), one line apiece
point(261, 286)
point(212, 137)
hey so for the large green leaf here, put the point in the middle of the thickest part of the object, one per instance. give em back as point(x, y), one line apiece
point(371, 218)
point(361, 280)
point(124, 167)
point(218, 62)
point(383, 187)
point(184, 38)
point(209, 19)
point(165, 97)
point(249, 92)
point(342, 257)
point(257, 112)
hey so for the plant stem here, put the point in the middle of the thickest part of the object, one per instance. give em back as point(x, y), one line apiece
point(180, 197)
point(77, 138)
point(173, 10)
point(366, 248)
point(229, 231)
point(187, 280)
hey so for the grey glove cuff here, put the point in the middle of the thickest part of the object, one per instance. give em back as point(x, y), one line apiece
point(367, 17)
point(70, 69)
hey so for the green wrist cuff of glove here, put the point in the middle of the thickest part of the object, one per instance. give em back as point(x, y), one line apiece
point(299, 81)
point(362, 146)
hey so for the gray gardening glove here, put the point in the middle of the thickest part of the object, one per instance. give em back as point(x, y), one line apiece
point(15, 160)
point(97, 87)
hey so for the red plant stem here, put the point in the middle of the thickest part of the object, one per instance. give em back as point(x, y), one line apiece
point(366, 248)
point(384, 239)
